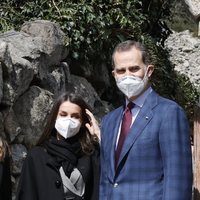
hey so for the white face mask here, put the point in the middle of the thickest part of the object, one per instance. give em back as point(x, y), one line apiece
point(67, 127)
point(132, 85)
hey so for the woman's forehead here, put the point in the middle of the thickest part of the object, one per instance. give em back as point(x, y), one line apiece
point(69, 107)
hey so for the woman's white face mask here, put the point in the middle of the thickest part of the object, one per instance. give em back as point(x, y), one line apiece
point(67, 126)
point(132, 85)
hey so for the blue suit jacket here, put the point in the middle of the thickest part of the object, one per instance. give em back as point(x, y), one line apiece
point(155, 161)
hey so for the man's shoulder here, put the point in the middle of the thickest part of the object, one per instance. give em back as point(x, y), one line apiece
point(164, 100)
point(168, 102)
point(168, 105)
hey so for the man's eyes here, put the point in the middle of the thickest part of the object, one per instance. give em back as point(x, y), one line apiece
point(131, 69)
point(120, 71)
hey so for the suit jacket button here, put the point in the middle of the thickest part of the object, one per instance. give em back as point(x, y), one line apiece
point(115, 185)
point(58, 183)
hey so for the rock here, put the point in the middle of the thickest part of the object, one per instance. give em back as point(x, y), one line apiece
point(31, 110)
point(40, 54)
point(55, 78)
point(184, 50)
point(50, 36)
point(15, 59)
point(1, 82)
point(11, 125)
point(194, 7)
point(18, 153)
point(87, 92)
point(2, 133)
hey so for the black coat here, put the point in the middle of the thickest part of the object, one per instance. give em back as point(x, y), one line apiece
point(5, 179)
point(41, 180)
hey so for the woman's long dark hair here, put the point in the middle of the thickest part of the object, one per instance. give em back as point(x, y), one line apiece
point(87, 140)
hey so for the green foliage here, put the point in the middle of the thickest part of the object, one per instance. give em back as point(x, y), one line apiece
point(186, 95)
point(94, 27)
point(163, 77)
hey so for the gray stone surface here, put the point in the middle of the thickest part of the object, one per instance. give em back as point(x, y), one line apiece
point(194, 7)
point(31, 110)
point(184, 51)
point(1, 82)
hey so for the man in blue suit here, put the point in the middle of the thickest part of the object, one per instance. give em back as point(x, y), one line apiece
point(153, 160)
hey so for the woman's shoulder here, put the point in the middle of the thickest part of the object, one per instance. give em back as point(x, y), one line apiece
point(36, 152)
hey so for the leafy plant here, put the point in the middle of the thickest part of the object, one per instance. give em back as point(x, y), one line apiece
point(94, 27)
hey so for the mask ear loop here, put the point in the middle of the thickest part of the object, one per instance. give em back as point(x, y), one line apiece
point(146, 73)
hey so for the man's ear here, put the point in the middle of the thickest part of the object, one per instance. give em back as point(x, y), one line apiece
point(113, 73)
point(150, 70)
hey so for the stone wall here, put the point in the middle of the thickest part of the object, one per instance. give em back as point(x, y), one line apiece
point(184, 50)
point(32, 73)
point(194, 8)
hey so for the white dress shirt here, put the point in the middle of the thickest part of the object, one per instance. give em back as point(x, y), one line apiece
point(139, 102)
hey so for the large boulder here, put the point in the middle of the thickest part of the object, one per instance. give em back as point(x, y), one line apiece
point(88, 93)
point(194, 7)
point(184, 50)
point(55, 78)
point(51, 37)
point(12, 126)
point(18, 70)
point(31, 110)
point(30, 56)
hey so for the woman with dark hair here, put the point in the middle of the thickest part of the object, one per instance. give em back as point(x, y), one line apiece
point(65, 162)
point(5, 177)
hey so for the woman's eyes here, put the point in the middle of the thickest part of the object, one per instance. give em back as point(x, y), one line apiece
point(76, 116)
point(63, 115)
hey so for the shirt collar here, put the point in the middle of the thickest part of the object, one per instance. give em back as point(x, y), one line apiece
point(141, 99)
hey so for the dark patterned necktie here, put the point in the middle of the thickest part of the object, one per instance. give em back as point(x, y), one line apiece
point(126, 124)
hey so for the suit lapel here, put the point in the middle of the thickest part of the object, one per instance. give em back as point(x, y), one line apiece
point(112, 131)
point(144, 117)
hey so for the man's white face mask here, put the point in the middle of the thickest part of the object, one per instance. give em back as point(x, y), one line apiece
point(67, 126)
point(132, 85)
